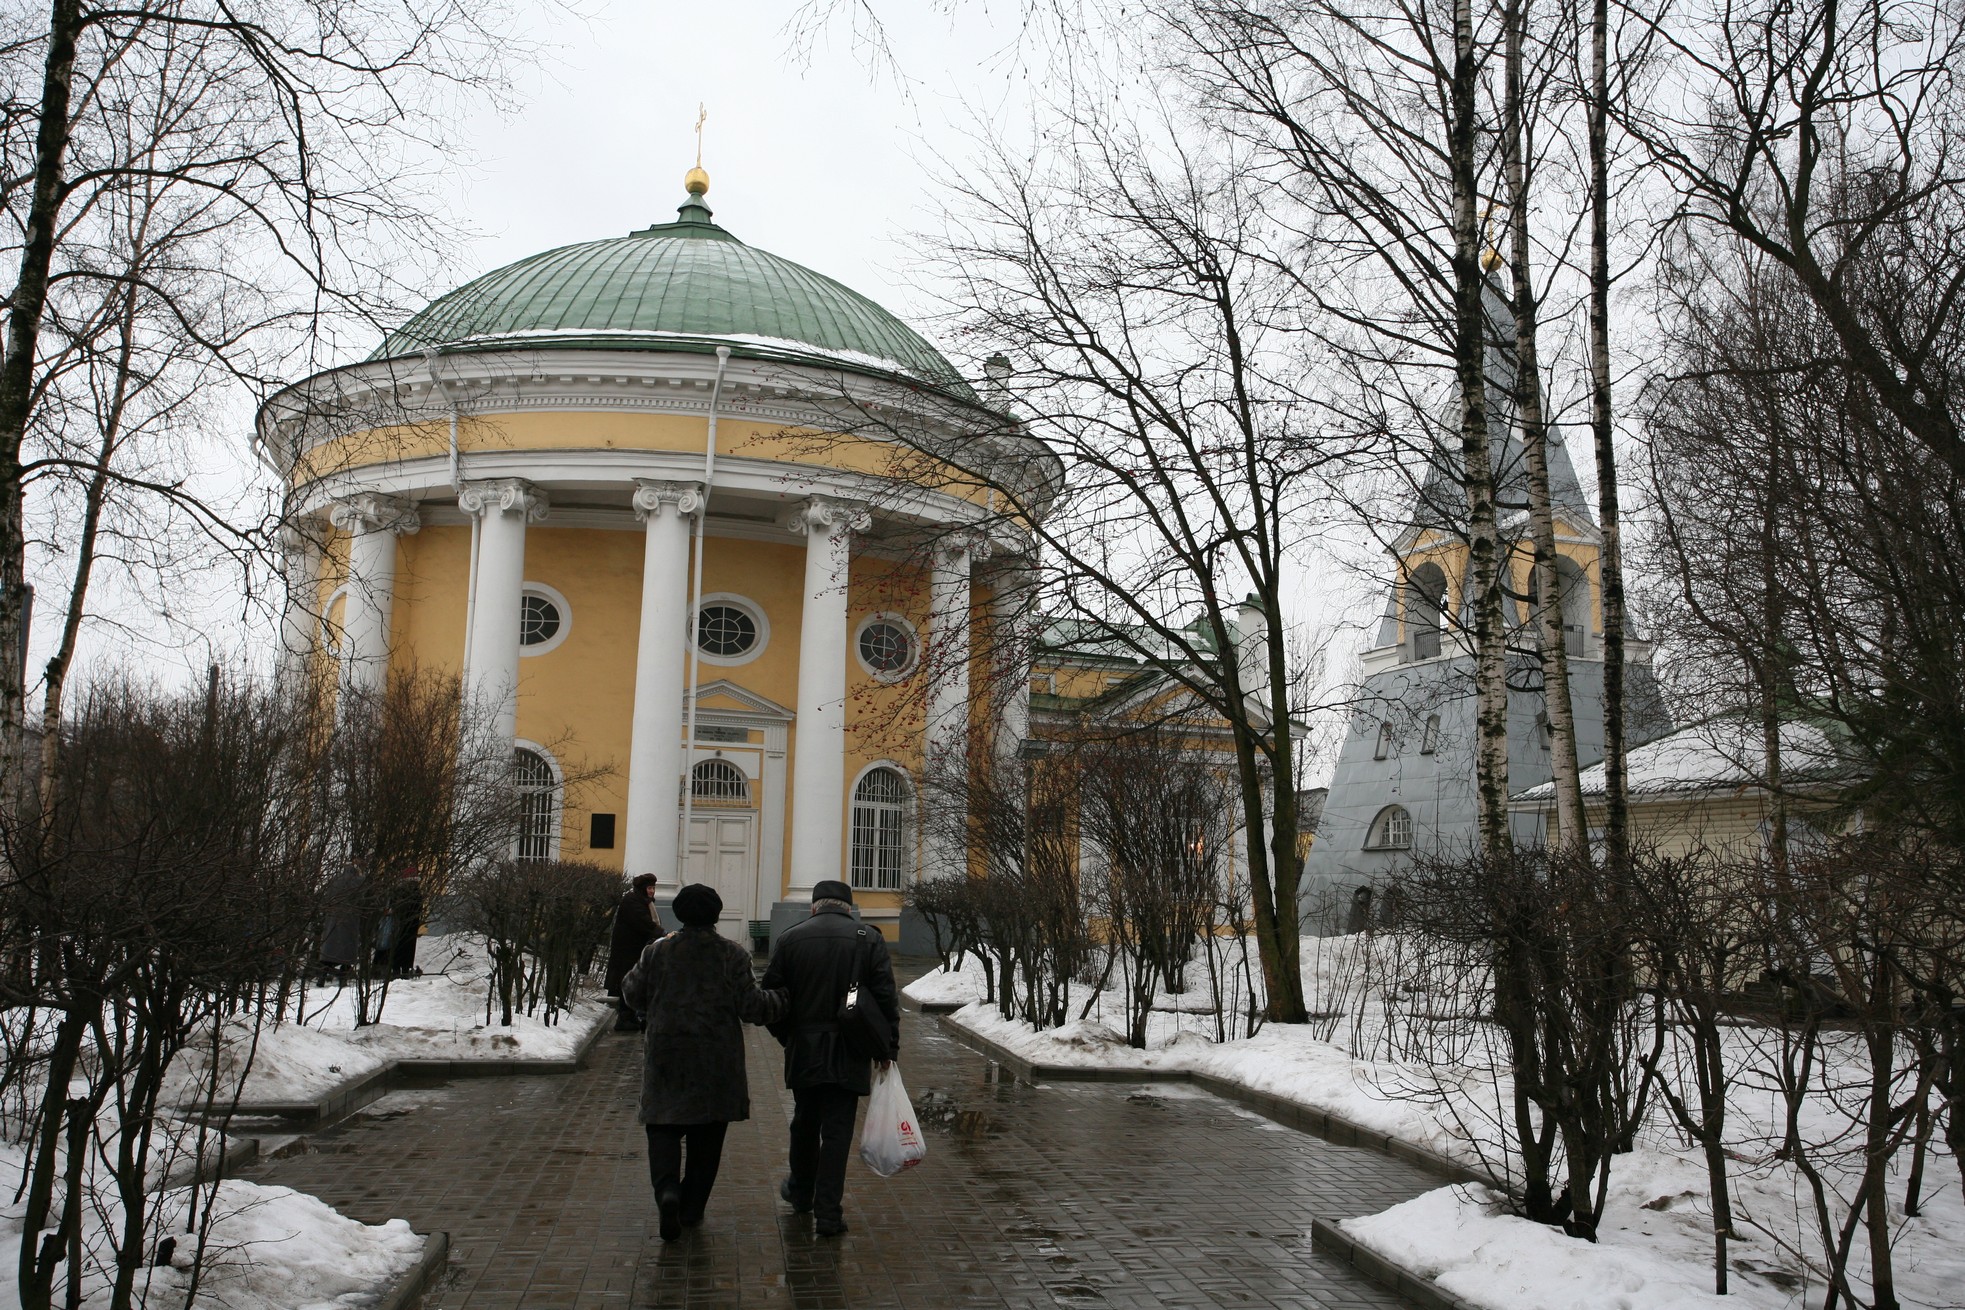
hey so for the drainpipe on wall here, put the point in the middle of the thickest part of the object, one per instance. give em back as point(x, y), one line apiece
point(695, 605)
point(438, 387)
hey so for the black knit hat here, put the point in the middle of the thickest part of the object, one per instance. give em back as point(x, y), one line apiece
point(832, 891)
point(697, 905)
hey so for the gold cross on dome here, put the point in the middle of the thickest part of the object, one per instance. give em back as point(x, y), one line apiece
point(702, 115)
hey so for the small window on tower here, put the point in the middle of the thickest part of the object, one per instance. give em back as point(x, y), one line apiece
point(1384, 742)
point(1391, 830)
point(1429, 741)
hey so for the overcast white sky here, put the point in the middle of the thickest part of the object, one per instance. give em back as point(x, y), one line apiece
point(825, 162)
point(825, 155)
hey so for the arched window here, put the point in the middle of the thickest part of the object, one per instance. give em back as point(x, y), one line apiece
point(879, 814)
point(1425, 611)
point(718, 782)
point(1574, 588)
point(1390, 831)
point(538, 788)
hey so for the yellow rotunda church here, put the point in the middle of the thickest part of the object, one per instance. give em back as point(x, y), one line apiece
point(531, 481)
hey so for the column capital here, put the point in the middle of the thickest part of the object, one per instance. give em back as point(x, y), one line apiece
point(651, 498)
point(826, 512)
point(504, 495)
point(371, 511)
point(958, 550)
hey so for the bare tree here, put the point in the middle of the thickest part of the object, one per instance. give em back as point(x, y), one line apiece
point(1826, 139)
point(303, 127)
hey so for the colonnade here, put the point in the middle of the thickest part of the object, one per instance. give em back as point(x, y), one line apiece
point(500, 511)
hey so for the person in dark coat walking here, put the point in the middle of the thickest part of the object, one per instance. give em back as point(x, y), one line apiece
point(635, 926)
point(816, 961)
point(695, 992)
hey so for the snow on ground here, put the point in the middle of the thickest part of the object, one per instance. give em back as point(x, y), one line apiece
point(270, 1248)
point(1656, 1240)
point(439, 1016)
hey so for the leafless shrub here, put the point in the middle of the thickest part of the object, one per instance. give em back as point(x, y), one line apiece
point(540, 919)
point(1017, 818)
point(1158, 812)
point(167, 882)
point(1551, 943)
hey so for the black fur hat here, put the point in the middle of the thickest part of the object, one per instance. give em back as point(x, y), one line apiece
point(697, 905)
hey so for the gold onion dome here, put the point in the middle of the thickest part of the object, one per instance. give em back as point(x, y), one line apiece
point(696, 182)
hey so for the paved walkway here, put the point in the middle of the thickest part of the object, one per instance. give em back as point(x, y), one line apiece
point(1080, 1195)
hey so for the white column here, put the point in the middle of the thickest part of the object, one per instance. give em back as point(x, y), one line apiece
point(1012, 631)
point(372, 522)
point(300, 621)
point(503, 507)
point(818, 767)
point(947, 721)
point(655, 751)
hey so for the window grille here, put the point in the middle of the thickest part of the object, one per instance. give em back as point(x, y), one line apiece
point(886, 647)
point(539, 620)
point(538, 804)
point(719, 782)
point(879, 812)
point(1391, 830)
point(725, 631)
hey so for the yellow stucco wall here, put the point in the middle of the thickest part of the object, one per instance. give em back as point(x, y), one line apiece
point(577, 699)
point(737, 437)
point(1435, 547)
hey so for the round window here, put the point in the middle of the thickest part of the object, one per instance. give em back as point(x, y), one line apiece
point(725, 631)
point(886, 646)
point(539, 620)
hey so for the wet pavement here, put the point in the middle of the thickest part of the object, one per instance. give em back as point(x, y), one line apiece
point(1074, 1194)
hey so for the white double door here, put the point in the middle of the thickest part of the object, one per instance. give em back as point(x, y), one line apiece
point(722, 852)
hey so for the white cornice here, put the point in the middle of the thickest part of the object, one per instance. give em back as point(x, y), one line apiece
point(479, 385)
point(568, 477)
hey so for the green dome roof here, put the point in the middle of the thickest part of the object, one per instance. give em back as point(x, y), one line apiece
point(687, 285)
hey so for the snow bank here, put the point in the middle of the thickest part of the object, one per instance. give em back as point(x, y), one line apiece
point(271, 1248)
point(1655, 1246)
point(439, 1016)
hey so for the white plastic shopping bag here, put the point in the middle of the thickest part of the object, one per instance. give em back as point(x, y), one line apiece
point(891, 1140)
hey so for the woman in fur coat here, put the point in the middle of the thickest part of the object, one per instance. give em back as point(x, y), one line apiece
point(694, 990)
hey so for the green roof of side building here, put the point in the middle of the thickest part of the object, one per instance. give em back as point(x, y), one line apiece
point(688, 285)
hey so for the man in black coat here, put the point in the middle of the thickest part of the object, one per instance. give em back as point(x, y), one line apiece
point(816, 961)
point(634, 927)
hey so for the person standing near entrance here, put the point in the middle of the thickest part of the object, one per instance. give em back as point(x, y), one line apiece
point(816, 961)
point(695, 992)
point(635, 926)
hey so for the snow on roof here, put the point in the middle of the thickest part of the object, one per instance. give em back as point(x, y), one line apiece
point(1725, 755)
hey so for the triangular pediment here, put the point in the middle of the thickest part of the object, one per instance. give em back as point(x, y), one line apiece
point(727, 697)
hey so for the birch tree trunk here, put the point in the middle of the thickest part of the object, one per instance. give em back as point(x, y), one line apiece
point(1610, 555)
point(1534, 428)
point(1484, 555)
point(24, 314)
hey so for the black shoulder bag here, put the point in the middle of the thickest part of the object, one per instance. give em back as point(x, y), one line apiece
point(861, 1021)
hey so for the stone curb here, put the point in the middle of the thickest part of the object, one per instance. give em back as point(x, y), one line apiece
point(234, 1154)
point(1332, 1241)
point(408, 1290)
point(347, 1097)
point(1293, 1114)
